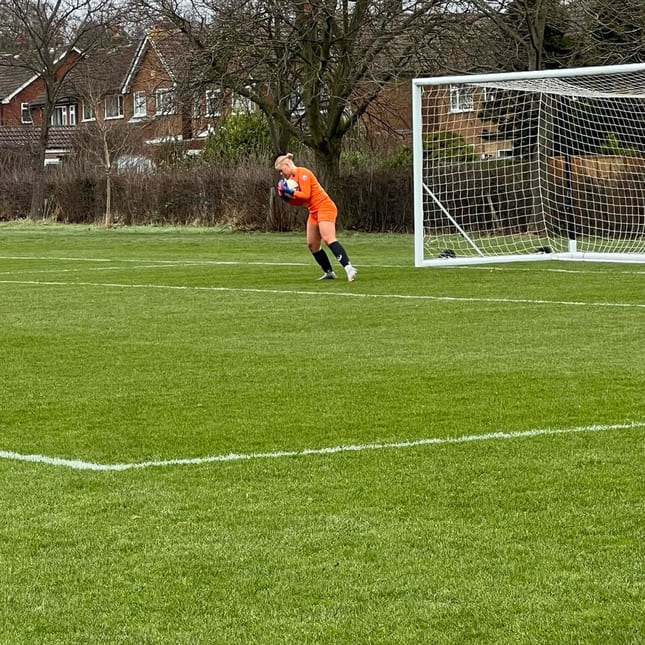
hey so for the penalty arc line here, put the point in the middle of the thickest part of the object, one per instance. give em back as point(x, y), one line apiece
point(342, 294)
point(77, 464)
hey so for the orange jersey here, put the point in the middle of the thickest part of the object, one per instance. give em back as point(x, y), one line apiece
point(310, 193)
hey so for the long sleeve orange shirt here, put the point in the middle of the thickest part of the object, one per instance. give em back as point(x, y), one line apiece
point(310, 193)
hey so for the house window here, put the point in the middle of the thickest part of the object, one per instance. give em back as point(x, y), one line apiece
point(241, 105)
point(197, 109)
point(59, 115)
point(461, 99)
point(25, 113)
point(296, 106)
point(165, 101)
point(114, 106)
point(213, 103)
point(489, 94)
point(140, 105)
point(88, 112)
point(72, 115)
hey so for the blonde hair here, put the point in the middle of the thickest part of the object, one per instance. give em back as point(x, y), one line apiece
point(281, 159)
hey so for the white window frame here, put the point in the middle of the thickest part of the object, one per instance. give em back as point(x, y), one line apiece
point(197, 109)
point(210, 97)
point(139, 104)
point(296, 105)
point(461, 99)
point(58, 116)
point(87, 112)
point(71, 115)
point(165, 101)
point(113, 106)
point(25, 113)
point(489, 94)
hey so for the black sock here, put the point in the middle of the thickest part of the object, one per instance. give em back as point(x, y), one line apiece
point(322, 259)
point(337, 249)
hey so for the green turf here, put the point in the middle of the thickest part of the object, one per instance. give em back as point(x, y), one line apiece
point(132, 345)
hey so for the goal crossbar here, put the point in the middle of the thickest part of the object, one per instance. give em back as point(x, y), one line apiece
point(570, 72)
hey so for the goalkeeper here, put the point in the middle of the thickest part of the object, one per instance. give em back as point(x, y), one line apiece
point(321, 223)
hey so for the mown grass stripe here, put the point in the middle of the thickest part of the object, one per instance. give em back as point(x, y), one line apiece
point(142, 262)
point(342, 294)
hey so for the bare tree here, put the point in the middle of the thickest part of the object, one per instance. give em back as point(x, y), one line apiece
point(102, 141)
point(52, 37)
point(103, 144)
point(523, 34)
point(609, 31)
point(313, 67)
point(539, 34)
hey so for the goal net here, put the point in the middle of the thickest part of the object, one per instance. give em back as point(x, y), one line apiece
point(530, 165)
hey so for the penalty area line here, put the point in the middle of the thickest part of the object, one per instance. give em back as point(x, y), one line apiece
point(77, 464)
point(341, 294)
point(158, 263)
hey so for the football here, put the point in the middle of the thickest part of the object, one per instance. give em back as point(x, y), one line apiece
point(292, 184)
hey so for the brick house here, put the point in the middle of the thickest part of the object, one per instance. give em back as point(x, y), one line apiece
point(455, 109)
point(20, 89)
point(137, 84)
point(388, 120)
point(20, 115)
point(155, 97)
point(140, 85)
point(450, 109)
point(18, 86)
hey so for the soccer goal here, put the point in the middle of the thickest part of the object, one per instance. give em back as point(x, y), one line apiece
point(530, 166)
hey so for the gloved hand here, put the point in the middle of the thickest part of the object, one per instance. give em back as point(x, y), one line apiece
point(284, 191)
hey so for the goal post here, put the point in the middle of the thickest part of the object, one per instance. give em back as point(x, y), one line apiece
point(530, 166)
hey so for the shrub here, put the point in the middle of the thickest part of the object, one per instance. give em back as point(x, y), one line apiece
point(239, 138)
point(449, 147)
point(74, 197)
point(611, 146)
point(401, 159)
point(171, 153)
point(353, 160)
point(378, 200)
point(240, 197)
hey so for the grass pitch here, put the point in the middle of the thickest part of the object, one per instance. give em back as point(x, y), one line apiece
point(155, 345)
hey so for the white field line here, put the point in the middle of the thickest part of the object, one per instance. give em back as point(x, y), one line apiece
point(47, 257)
point(77, 464)
point(341, 294)
point(114, 267)
point(160, 263)
point(171, 265)
point(185, 263)
point(132, 268)
point(554, 270)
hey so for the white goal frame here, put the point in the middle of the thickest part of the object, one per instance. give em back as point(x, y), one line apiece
point(567, 246)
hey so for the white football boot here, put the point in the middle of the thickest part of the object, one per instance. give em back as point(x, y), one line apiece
point(328, 275)
point(351, 273)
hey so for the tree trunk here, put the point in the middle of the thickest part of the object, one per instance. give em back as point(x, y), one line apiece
point(108, 182)
point(280, 137)
point(328, 165)
point(36, 210)
point(535, 46)
point(108, 200)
